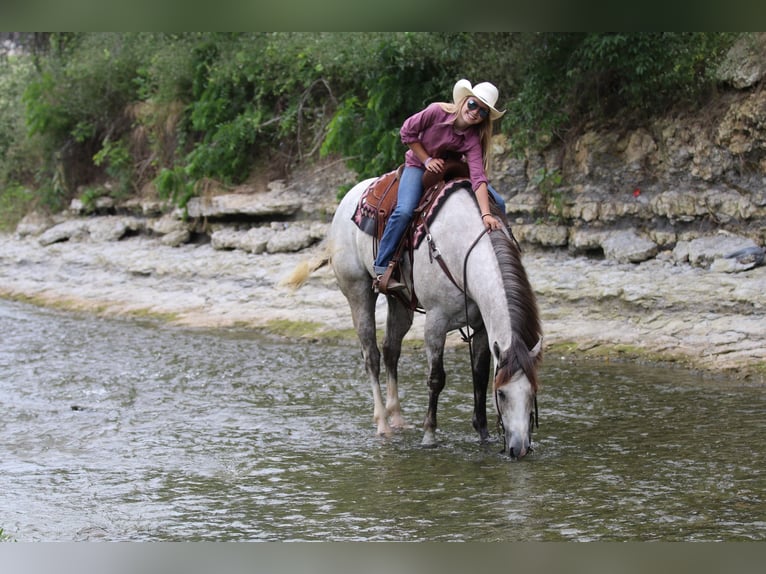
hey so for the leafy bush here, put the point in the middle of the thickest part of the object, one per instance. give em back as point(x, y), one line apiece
point(118, 163)
point(566, 80)
point(15, 202)
point(77, 105)
point(409, 72)
point(178, 109)
point(175, 185)
point(16, 154)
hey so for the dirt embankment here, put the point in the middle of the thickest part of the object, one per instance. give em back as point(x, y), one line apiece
point(656, 310)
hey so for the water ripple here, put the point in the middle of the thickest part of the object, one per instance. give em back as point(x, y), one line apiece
point(117, 430)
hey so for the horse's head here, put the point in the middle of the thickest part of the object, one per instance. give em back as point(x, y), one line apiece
point(515, 392)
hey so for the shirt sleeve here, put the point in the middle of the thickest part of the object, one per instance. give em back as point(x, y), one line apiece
point(416, 124)
point(475, 163)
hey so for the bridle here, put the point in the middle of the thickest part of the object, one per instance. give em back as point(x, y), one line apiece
point(467, 336)
point(534, 420)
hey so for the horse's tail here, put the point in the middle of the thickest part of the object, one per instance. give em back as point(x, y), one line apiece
point(305, 268)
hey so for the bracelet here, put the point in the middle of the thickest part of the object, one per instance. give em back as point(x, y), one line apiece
point(485, 215)
point(425, 163)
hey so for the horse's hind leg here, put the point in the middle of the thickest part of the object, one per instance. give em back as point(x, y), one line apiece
point(361, 299)
point(398, 322)
point(480, 371)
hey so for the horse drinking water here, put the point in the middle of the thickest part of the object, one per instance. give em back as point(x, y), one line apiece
point(480, 283)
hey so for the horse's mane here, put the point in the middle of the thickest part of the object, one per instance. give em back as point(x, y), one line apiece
point(522, 305)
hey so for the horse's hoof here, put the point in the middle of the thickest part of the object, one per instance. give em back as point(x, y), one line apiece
point(429, 440)
point(399, 423)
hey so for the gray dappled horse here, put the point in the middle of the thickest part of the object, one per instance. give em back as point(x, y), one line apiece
point(489, 286)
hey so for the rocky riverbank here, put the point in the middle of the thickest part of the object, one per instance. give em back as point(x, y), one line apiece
point(659, 310)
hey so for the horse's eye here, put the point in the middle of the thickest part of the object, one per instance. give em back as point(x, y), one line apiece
point(500, 395)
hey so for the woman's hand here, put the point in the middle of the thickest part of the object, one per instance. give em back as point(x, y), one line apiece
point(491, 222)
point(434, 164)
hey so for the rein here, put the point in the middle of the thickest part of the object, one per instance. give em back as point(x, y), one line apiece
point(467, 336)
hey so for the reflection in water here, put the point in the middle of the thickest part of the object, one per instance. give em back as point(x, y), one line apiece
point(122, 431)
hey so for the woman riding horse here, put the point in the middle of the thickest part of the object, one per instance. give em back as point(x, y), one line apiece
point(464, 128)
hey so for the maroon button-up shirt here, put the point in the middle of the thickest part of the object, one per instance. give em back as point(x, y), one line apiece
point(435, 129)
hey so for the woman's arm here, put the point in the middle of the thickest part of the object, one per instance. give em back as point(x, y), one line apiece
point(412, 130)
point(432, 164)
point(482, 195)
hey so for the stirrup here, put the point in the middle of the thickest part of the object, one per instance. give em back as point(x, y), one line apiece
point(387, 286)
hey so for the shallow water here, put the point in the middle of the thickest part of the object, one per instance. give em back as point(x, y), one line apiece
point(119, 430)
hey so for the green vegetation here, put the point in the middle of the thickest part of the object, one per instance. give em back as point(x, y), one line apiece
point(90, 114)
point(548, 183)
point(566, 80)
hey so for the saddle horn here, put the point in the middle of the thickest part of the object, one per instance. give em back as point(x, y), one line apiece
point(453, 169)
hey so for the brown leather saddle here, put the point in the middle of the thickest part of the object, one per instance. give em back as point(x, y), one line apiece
point(379, 200)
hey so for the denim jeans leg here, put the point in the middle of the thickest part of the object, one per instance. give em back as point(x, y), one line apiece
point(410, 190)
point(498, 199)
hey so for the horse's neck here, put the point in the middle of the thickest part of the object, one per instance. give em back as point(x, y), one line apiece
point(486, 289)
point(459, 230)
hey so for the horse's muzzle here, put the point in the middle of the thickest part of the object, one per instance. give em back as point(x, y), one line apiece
point(516, 446)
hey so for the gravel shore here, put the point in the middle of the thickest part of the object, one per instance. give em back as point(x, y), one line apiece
point(658, 310)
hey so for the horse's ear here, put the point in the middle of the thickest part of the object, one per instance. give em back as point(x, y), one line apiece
point(536, 349)
point(496, 351)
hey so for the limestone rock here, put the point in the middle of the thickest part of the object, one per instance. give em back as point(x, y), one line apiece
point(728, 205)
point(740, 260)
point(704, 250)
point(583, 240)
point(745, 64)
point(681, 252)
point(34, 224)
point(542, 234)
point(291, 238)
point(101, 204)
point(586, 207)
point(628, 247)
point(176, 237)
point(168, 223)
point(75, 229)
point(678, 205)
point(247, 204)
point(524, 203)
point(253, 240)
point(112, 228)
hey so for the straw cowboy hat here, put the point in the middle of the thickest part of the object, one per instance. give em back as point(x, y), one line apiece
point(484, 91)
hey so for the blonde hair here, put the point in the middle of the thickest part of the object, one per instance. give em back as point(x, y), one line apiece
point(485, 130)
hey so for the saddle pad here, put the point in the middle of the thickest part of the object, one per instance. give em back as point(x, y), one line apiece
point(431, 203)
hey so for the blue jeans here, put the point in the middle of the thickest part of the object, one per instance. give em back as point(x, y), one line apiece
point(496, 196)
point(410, 190)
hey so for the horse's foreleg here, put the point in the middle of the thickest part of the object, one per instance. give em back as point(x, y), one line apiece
point(398, 322)
point(436, 382)
point(480, 371)
point(435, 338)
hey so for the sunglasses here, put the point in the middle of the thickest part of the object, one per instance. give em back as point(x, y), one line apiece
point(483, 112)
